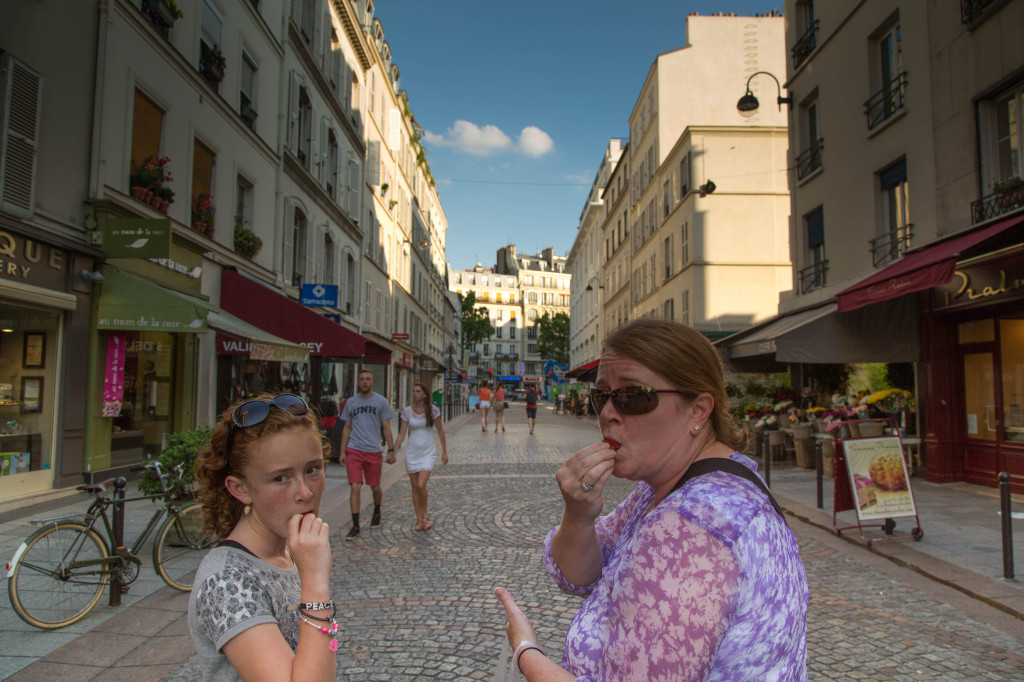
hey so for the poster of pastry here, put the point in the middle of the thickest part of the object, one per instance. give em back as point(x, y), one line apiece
point(878, 476)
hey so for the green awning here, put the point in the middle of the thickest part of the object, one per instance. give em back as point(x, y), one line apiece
point(262, 344)
point(131, 303)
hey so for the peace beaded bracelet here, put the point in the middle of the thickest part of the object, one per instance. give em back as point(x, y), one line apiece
point(316, 606)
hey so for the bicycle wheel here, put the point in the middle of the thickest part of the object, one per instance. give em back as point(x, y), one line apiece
point(180, 547)
point(60, 575)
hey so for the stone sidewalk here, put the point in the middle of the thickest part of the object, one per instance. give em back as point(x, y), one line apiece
point(429, 611)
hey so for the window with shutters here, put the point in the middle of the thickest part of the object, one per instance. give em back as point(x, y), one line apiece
point(211, 56)
point(350, 282)
point(247, 89)
point(326, 260)
point(332, 155)
point(307, 23)
point(203, 160)
point(366, 306)
point(813, 275)
point(305, 128)
point(298, 235)
point(684, 308)
point(684, 243)
point(20, 109)
point(147, 122)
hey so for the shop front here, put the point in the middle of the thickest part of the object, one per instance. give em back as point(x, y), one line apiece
point(335, 353)
point(41, 310)
point(975, 365)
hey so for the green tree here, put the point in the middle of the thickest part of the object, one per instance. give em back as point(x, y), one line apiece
point(553, 337)
point(476, 322)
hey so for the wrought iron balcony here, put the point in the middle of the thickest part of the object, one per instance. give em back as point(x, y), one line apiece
point(997, 204)
point(813, 276)
point(805, 44)
point(890, 247)
point(886, 102)
point(809, 159)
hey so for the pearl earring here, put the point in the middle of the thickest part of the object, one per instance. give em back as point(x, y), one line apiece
point(696, 428)
point(246, 510)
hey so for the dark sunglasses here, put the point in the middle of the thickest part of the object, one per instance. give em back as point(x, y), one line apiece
point(253, 412)
point(630, 400)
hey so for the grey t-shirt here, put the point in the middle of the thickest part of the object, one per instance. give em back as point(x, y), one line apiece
point(366, 415)
point(233, 592)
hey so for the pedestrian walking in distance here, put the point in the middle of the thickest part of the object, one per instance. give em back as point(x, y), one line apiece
point(499, 407)
point(261, 605)
point(484, 403)
point(419, 421)
point(695, 576)
point(366, 415)
point(531, 407)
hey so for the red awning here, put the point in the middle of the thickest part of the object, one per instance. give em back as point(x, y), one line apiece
point(583, 368)
point(918, 271)
point(262, 306)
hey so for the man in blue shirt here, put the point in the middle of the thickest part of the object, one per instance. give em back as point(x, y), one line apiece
point(366, 414)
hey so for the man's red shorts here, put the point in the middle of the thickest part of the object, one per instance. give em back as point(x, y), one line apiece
point(359, 463)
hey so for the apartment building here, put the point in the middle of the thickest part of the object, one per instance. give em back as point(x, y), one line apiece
point(220, 151)
point(696, 229)
point(498, 358)
point(545, 286)
point(585, 261)
point(893, 100)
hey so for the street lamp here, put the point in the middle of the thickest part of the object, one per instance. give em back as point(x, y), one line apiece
point(590, 286)
point(748, 103)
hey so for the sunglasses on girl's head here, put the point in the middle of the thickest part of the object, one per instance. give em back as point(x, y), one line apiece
point(631, 400)
point(253, 412)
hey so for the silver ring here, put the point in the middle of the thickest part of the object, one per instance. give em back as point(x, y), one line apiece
point(587, 487)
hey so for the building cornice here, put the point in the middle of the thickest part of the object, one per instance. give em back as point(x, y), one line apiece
point(354, 31)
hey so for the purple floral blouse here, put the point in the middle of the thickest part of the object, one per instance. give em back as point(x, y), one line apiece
point(708, 585)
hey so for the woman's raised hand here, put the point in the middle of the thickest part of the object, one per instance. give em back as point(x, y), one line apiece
point(310, 547)
point(591, 466)
point(519, 628)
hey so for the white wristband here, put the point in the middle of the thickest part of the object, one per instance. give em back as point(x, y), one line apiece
point(525, 645)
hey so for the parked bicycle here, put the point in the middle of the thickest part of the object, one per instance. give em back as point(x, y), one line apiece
point(58, 574)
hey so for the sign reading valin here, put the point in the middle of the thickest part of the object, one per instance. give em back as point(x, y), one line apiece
point(878, 476)
point(137, 237)
point(319, 295)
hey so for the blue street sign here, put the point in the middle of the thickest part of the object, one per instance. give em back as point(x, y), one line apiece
point(320, 295)
point(333, 317)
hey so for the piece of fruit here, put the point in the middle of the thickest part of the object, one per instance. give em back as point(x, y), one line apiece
point(613, 444)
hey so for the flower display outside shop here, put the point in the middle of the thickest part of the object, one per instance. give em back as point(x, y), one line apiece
point(890, 401)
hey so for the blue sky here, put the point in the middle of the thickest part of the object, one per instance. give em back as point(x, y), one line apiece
point(519, 100)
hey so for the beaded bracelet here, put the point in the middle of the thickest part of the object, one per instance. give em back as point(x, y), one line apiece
point(329, 631)
point(313, 605)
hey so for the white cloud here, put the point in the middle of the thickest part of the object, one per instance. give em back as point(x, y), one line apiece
point(534, 142)
point(487, 140)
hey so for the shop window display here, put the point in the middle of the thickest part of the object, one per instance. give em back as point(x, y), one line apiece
point(28, 359)
point(148, 403)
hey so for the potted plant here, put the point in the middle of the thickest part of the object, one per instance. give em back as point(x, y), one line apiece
point(247, 243)
point(149, 176)
point(182, 448)
point(1010, 192)
point(202, 213)
point(166, 195)
point(384, 188)
point(211, 62)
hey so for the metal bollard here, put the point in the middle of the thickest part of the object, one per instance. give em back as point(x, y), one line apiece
point(819, 473)
point(1007, 518)
point(117, 529)
point(766, 449)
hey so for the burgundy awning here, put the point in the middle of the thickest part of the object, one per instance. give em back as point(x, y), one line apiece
point(267, 309)
point(583, 368)
point(918, 271)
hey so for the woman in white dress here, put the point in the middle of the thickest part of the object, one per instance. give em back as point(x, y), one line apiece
point(418, 421)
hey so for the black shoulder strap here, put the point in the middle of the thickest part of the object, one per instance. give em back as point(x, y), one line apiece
point(235, 545)
point(706, 466)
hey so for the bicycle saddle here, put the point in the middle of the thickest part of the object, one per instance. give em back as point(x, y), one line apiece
point(96, 487)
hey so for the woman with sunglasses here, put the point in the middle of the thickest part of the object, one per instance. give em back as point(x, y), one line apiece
point(261, 605)
point(418, 421)
point(698, 581)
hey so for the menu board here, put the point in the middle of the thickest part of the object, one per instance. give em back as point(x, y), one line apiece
point(878, 478)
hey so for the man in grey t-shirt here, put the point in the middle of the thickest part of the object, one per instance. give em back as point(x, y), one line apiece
point(366, 414)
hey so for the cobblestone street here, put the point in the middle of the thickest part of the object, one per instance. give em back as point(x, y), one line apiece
point(416, 605)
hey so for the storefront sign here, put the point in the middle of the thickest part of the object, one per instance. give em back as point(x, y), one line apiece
point(136, 237)
point(399, 337)
point(319, 295)
point(113, 381)
point(32, 262)
point(878, 478)
point(985, 280)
